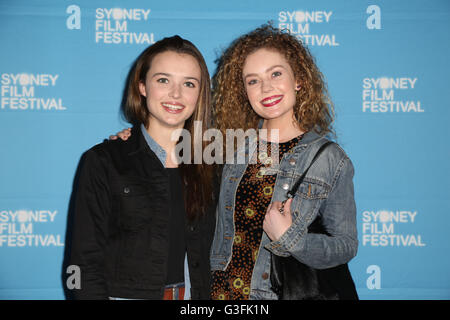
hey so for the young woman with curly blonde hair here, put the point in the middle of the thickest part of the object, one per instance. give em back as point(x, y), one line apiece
point(312, 110)
point(268, 80)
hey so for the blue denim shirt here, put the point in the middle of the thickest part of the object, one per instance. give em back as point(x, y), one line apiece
point(154, 146)
point(327, 190)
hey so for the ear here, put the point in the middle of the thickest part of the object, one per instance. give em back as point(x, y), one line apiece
point(297, 86)
point(142, 89)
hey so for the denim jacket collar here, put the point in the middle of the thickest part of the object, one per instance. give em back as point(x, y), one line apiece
point(308, 138)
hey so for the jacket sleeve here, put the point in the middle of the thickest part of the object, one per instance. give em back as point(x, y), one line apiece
point(89, 235)
point(338, 213)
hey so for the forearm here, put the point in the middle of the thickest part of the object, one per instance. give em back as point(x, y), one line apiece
point(338, 243)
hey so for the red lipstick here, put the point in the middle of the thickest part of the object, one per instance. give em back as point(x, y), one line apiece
point(271, 101)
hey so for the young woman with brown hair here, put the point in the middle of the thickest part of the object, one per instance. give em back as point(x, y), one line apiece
point(143, 223)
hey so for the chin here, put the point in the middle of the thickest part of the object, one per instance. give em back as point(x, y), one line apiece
point(177, 124)
point(273, 114)
point(270, 115)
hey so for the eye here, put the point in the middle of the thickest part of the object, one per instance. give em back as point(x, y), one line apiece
point(189, 84)
point(252, 82)
point(276, 74)
point(162, 80)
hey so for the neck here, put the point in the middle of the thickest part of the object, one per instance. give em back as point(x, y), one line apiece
point(165, 137)
point(287, 129)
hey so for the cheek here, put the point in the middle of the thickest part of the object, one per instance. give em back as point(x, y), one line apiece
point(252, 98)
point(289, 90)
point(192, 97)
point(152, 91)
point(152, 100)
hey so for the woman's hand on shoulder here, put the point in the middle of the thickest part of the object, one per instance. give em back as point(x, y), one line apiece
point(124, 135)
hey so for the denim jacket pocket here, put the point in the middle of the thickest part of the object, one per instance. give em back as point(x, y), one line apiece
point(308, 198)
point(312, 189)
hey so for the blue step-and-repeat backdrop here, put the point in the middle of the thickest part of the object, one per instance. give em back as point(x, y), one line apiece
point(63, 65)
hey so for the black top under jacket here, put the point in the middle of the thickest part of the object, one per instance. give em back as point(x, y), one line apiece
point(120, 237)
point(177, 243)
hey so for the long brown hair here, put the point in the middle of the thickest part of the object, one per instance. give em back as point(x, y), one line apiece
point(197, 178)
point(313, 109)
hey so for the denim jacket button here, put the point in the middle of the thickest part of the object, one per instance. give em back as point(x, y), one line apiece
point(285, 186)
point(265, 276)
point(292, 162)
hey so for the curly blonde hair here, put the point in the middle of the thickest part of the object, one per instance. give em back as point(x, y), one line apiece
point(313, 109)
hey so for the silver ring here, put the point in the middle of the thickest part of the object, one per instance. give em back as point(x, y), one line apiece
point(282, 207)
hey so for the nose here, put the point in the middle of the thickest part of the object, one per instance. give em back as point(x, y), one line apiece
point(175, 91)
point(266, 86)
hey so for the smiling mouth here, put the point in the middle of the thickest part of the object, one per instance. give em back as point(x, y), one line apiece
point(271, 101)
point(173, 107)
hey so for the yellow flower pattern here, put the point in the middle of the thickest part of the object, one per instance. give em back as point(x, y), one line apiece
point(253, 195)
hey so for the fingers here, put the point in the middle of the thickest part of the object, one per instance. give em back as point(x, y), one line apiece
point(276, 205)
point(124, 134)
point(275, 221)
point(281, 207)
point(277, 211)
point(287, 206)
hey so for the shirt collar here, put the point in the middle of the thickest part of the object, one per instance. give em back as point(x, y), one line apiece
point(155, 147)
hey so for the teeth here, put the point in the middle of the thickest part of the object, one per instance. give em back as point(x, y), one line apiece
point(272, 100)
point(172, 107)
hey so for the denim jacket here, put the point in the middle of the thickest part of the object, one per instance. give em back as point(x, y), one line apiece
point(327, 190)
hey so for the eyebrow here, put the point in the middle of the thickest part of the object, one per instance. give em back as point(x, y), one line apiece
point(168, 75)
point(267, 70)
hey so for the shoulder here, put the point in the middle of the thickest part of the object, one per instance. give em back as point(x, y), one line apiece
point(333, 151)
point(314, 141)
point(333, 160)
point(103, 149)
point(338, 161)
point(118, 146)
point(105, 153)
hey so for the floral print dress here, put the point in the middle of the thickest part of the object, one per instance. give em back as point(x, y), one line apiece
point(253, 196)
